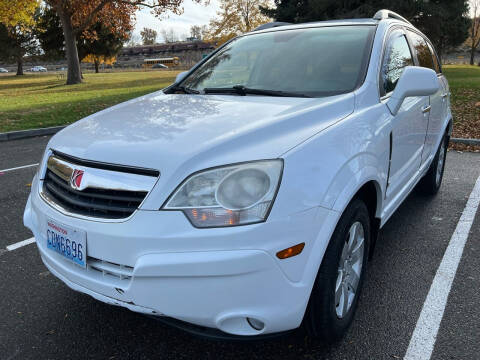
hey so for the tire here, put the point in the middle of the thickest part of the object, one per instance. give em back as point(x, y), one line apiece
point(431, 182)
point(325, 317)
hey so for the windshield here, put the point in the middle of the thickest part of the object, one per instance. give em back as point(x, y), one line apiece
point(316, 62)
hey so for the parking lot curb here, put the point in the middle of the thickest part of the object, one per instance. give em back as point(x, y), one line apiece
point(22, 134)
point(466, 141)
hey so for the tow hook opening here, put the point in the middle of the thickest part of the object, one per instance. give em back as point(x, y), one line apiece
point(255, 324)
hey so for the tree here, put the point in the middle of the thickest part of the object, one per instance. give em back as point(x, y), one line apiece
point(197, 31)
point(78, 15)
point(445, 22)
point(474, 36)
point(103, 47)
point(98, 42)
point(149, 36)
point(169, 35)
point(17, 42)
point(49, 33)
point(133, 39)
point(236, 17)
point(17, 38)
point(97, 60)
point(296, 11)
point(17, 13)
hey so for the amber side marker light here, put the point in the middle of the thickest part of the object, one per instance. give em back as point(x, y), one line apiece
point(291, 251)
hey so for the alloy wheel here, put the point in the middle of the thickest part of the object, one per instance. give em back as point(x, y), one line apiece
point(440, 163)
point(349, 269)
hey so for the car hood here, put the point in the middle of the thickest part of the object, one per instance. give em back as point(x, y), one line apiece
point(178, 134)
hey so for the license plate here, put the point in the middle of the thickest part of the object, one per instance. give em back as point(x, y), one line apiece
point(68, 242)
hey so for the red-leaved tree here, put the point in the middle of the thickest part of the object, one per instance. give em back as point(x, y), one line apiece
point(77, 15)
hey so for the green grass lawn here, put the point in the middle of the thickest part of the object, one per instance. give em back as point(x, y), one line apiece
point(464, 83)
point(43, 100)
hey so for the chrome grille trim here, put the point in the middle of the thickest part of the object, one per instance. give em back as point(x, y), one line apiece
point(103, 194)
point(101, 179)
point(105, 165)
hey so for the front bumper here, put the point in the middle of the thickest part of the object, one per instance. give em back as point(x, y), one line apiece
point(157, 263)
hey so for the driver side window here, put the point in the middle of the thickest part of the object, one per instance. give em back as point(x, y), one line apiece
point(397, 57)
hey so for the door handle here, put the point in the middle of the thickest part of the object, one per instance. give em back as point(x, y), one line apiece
point(426, 109)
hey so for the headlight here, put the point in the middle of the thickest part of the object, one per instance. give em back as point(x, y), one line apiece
point(229, 195)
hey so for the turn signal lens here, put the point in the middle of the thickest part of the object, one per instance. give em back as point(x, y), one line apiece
point(291, 251)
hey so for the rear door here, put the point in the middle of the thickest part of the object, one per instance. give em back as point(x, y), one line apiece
point(445, 95)
point(426, 57)
point(409, 125)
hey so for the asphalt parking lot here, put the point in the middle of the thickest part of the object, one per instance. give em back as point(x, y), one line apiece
point(43, 319)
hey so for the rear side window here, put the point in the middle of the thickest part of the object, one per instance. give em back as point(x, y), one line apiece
point(397, 57)
point(424, 56)
point(436, 62)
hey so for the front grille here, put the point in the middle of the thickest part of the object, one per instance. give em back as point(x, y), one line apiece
point(92, 202)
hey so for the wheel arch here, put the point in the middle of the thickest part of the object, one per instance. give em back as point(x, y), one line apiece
point(371, 193)
point(365, 184)
point(449, 128)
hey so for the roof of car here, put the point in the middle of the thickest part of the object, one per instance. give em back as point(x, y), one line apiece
point(319, 24)
point(381, 16)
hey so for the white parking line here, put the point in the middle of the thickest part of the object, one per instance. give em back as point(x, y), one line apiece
point(425, 334)
point(18, 168)
point(20, 244)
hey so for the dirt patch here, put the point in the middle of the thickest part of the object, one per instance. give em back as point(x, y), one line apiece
point(466, 113)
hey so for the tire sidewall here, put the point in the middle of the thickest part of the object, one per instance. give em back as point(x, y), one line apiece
point(324, 321)
point(444, 144)
point(428, 184)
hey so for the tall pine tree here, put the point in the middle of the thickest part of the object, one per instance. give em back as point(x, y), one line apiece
point(445, 22)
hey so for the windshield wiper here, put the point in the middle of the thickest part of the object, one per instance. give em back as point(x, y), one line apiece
point(242, 90)
point(184, 89)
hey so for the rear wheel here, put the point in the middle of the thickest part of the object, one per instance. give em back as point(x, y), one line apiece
point(335, 294)
point(431, 182)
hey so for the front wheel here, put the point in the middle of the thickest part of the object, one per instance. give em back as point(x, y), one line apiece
point(335, 294)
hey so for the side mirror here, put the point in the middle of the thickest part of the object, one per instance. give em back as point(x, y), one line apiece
point(415, 81)
point(181, 76)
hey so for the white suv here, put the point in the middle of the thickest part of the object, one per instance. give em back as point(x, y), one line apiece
point(38, 69)
point(246, 197)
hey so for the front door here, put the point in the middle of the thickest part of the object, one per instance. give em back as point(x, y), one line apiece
point(426, 57)
point(409, 125)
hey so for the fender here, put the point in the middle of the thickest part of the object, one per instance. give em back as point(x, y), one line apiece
point(361, 169)
point(330, 217)
point(361, 178)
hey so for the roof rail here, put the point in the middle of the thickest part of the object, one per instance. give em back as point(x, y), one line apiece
point(271, 25)
point(385, 14)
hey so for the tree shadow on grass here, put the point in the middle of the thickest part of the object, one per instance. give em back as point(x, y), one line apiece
point(50, 87)
point(26, 85)
point(63, 112)
point(130, 84)
point(36, 85)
